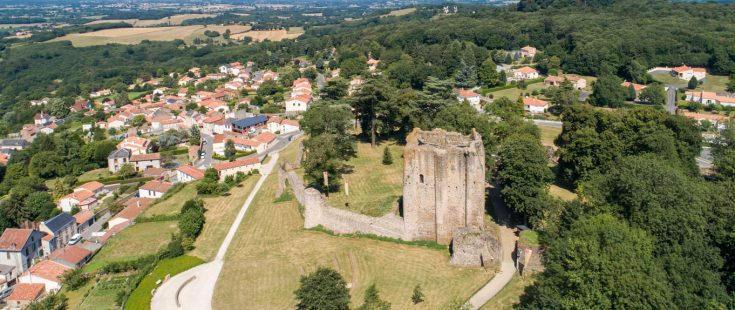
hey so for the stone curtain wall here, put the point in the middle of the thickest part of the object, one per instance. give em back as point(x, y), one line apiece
point(318, 212)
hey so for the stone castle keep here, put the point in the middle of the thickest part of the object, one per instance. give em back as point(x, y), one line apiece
point(443, 199)
point(443, 184)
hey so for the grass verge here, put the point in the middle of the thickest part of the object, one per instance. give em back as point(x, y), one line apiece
point(140, 298)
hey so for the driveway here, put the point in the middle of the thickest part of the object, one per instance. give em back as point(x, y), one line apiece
point(193, 289)
point(97, 226)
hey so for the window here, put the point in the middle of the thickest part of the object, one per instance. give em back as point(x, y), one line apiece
point(421, 178)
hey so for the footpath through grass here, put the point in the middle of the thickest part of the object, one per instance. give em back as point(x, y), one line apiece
point(272, 250)
point(140, 298)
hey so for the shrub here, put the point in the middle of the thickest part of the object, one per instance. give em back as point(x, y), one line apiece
point(74, 279)
point(387, 157)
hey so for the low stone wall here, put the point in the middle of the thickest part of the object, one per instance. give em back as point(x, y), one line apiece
point(318, 212)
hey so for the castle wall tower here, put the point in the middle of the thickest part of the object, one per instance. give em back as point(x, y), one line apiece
point(443, 184)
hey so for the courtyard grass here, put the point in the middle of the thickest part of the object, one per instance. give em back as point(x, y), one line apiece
point(140, 298)
point(136, 241)
point(374, 188)
point(271, 251)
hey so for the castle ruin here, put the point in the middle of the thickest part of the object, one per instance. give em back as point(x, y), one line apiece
point(443, 184)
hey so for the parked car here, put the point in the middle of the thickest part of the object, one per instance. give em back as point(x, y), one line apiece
point(75, 239)
point(6, 292)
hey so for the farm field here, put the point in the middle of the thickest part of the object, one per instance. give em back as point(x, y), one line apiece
point(271, 251)
point(173, 20)
point(136, 35)
point(271, 35)
point(400, 12)
point(374, 187)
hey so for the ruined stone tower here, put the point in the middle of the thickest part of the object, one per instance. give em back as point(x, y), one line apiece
point(443, 184)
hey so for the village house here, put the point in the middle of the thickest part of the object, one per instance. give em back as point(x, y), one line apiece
point(117, 159)
point(717, 121)
point(685, 72)
point(47, 272)
point(83, 197)
point(13, 144)
point(186, 173)
point(41, 119)
point(524, 73)
point(528, 51)
point(74, 256)
point(638, 88)
point(154, 189)
point(214, 125)
point(84, 219)
point(245, 166)
point(246, 125)
point(298, 104)
point(577, 82)
point(18, 249)
point(133, 208)
point(24, 294)
point(81, 106)
point(40, 102)
point(355, 85)
point(100, 93)
point(59, 230)
point(136, 145)
point(710, 98)
point(141, 162)
point(472, 97)
point(535, 106)
point(373, 64)
point(4, 159)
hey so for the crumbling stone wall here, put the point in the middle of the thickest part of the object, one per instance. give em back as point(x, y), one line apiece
point(472, 247)
point(318, 212)
point(443, 185)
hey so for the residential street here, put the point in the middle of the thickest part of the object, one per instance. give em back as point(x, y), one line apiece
point(208, 149)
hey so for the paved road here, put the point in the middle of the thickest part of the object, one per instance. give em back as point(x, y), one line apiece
point(194, 288)
point(671, 99)
point(209, 149)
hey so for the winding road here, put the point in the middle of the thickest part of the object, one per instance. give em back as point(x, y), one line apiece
point(193, 289)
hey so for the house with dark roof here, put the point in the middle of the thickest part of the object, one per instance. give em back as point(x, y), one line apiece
point(117, 159)
point(59, 230)
point(13, 144)
point(245, 125)
point(18, 249)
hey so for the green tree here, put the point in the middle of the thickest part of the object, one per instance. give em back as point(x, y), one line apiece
point(387, 157)
point(601, 261)
point(731, 84)
point(352, 67)
point(374, 109)
point(372, 300)
point(334, 90)
point(195, 135)
point(191, 221)
point(608, 92)
point(630, 94)
point(324, 289)
point(40, 206)
point(73, 279)
point(488, 73)
point(524, 175)
point(230, 151)
point(57, 301)
point(127, 171)
point(693, 83)
point(654, 94)
point(466, 76)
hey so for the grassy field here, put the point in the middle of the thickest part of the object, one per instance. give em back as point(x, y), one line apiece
point(272, 250)
point(510, 295)
point(94, 175)
point(514, 93)
point(140, 298)
point(400, 12)
point(271, 35)
point(170, 21)
point(136, 35)
point(135, 241)
point(562, 193)
point(548, 135)
point(713, 83)
point(374, 187)
point(221, 211)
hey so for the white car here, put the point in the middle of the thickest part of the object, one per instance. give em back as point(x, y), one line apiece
point(75, 239)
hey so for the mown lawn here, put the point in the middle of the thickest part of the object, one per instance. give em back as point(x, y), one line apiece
point(514, 93)
point(135, 241)
point(374, 188)
point(548, 135)
point(510, 295)
point(271, 251)
point(94, 175)
point(140, 298)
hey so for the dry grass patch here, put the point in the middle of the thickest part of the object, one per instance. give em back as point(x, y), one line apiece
point(271, 251)
point(562, 193)
point(400, 12)
point(374, 187)
point(510, 295)
point(548, 135)
point(173, 20)
point(271, 35)
point(129, 35)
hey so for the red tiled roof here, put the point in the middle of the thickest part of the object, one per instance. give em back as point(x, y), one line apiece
point(535, 102)
point(13, 239)
point(466, 93)
point(235, 164)
point(266, 137)
point(192, 172)
point(142, 157)
point(157, 186)
point(27, 291)
point(80, 195)
point(526, 70)
point(47, 269)
point(91, 186)
point(637, 87)
point(290, 122)
point(83, 216)
point(74, 254)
